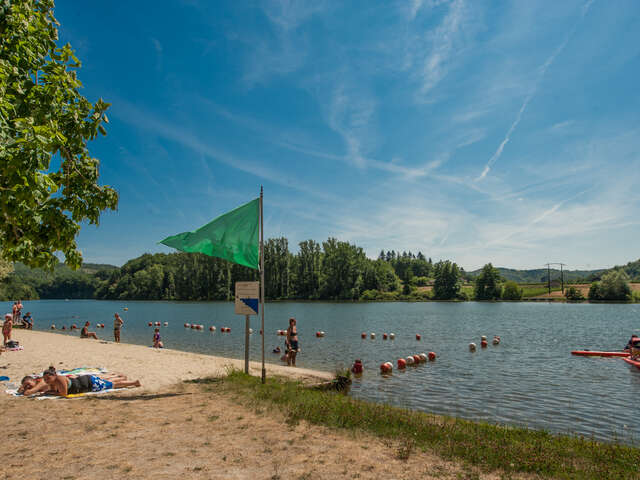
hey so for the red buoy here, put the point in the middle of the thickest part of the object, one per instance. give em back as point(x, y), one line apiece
point(416, 358)
point(386, 367)
point(186, 325)
point(484, 344)
point(402, 363)
point(431, 356)
point(152, 324)
point(384, 336)
point(418, 336)
point(363, 335)
point(357, 367)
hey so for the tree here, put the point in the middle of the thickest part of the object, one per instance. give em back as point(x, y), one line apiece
point(614, 286)
point(487, 286)
point(48, 180)
point(511, 291)
point(447, 280)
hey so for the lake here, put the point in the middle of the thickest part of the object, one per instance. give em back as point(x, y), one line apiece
point(530, 379)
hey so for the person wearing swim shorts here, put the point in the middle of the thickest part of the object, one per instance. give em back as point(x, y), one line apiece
point(62, 386)
point(292, 340)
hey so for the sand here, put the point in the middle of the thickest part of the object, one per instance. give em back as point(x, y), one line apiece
point(155, 368)
point(168, 429)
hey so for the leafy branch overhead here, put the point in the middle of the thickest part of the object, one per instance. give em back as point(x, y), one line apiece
point(48, 179)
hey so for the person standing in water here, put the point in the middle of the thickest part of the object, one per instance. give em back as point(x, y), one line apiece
point(117, 325)
point(292, 340)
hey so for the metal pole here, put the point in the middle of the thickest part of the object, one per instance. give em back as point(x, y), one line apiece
point(246, 344)
point(562, 278)
point(549, 277)
point(264, 371)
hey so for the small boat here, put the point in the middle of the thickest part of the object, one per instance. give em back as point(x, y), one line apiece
point(596, 353)
point(635, 363)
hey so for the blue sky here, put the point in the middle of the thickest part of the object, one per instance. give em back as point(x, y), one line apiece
point(477, 131)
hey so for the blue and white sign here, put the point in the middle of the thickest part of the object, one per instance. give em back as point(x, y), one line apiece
point(247, 298)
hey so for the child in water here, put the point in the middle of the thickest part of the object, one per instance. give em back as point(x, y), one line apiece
point(157, 343)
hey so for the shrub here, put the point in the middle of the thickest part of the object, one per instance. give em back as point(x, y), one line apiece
point(614, 286)
point(487, 285)
point(511, 291)
point(420, 281)
point(573, 294)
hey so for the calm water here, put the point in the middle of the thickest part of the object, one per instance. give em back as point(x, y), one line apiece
point(530, 379)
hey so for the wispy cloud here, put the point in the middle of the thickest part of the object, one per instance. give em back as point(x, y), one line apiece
point(542, 70)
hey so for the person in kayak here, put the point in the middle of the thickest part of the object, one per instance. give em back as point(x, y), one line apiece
point(634, 341)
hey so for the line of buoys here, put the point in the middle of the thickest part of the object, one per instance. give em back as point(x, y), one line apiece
point(319, 334)
point(225, 329)
point(484, 343)
point(415, 359)
point(386, 368)
point(157, 324)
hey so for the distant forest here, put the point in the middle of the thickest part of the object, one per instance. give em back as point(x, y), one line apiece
point(331, 270)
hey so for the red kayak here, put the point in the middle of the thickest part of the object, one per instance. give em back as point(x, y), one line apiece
point(635, 363)
point(595, 353)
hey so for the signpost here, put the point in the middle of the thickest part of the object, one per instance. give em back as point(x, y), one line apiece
point(247, 301)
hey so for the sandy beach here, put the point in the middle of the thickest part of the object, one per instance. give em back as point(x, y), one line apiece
point(155, 368)
point(169, 428)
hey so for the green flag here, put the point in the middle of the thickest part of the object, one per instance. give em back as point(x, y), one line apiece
point(232, 236)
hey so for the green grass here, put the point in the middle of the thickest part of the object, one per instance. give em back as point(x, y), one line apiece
point(529, 291)
point(489, 447)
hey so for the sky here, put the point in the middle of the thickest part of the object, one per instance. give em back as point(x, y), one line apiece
point(476, 131)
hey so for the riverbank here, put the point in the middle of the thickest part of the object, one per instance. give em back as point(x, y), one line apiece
point(155, 368)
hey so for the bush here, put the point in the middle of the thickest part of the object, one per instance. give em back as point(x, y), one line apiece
point(573, 294)
point(420, 281)
point(614, 286)
point(487, 286)
point(511, 291)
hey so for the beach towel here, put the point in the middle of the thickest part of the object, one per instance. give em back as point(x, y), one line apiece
point(14, 349)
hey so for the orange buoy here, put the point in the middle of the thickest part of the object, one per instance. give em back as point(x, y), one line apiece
point(363, 335)
point(402, 363)
point(386, 367)
point(384, 336)
point(432, 356)
point(418, 336)
point(357, 367)
point(416, 358)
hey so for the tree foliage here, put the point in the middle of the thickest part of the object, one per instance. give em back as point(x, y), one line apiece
point(487, 284)
point(447, 280)
point(614, 286)
point(48, 179)
point(511, 291)
point(573, 294)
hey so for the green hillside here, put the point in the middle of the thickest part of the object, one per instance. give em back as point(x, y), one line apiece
point(539, 275)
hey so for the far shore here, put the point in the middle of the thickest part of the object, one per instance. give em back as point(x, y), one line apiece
point(155, 368)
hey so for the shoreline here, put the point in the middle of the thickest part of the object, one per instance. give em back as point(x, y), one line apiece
point(155, 368)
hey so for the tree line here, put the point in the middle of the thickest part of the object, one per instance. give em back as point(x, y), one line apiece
point(331, 270)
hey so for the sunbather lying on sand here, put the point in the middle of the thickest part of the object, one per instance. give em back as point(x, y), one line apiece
point(31, 385)
point(62, 385)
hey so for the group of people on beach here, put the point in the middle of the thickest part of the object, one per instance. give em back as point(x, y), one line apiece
point(15, 318)
point(291, 344)
point(53, 383)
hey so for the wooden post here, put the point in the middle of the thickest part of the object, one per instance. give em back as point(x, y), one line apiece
point(246, 344)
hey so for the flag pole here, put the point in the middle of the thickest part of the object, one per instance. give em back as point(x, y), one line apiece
point(264, 371)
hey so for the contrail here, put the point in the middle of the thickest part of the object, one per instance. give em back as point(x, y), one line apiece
point(542, 70)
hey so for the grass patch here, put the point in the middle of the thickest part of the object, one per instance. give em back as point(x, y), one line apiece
point(529, 291)
point(490, 447)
